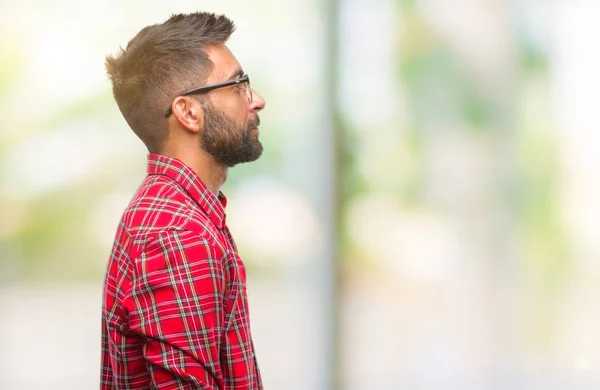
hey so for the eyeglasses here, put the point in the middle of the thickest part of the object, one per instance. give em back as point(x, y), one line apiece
point(243, 81)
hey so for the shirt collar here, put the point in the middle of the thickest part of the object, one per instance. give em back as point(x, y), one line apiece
point(213, 206)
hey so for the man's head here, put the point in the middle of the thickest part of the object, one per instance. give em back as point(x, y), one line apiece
point(161, 63)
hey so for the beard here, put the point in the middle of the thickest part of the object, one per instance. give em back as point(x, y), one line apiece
point(228, 142)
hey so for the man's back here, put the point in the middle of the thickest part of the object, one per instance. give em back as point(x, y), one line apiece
point(175, 311)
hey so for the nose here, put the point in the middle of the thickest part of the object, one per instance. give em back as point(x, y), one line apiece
point(258, 103)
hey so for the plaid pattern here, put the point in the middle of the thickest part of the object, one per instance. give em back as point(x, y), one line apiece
point(175, 311)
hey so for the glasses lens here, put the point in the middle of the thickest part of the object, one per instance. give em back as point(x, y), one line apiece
point(249, 91)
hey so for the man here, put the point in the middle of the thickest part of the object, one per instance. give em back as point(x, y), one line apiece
point(175, 313)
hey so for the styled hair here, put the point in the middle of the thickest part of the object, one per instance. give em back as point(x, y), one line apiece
point(160, 62)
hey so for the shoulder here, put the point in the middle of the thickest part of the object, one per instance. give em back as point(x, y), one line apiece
point(181, 242)
point(162, 213)
point(176, 251)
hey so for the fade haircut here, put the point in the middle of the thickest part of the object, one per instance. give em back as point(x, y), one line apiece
point(160, 62)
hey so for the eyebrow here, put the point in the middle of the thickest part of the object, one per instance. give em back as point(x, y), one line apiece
point(236, 74)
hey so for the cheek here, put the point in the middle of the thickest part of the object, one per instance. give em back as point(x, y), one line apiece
point(237, 109)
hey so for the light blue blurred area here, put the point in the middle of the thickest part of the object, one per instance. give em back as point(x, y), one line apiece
point(425, 214)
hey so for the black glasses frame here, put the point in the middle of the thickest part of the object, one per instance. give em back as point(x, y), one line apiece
point(207, 88)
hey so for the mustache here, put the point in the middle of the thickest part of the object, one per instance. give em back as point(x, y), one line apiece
point(254, 123)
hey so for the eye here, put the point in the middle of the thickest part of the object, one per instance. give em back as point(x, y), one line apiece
point(241, 87)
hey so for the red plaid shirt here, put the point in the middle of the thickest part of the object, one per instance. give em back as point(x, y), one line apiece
point(175, 312)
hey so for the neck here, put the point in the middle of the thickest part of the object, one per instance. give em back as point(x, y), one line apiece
point(212, 174)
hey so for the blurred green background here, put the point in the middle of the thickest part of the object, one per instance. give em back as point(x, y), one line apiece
point(425, 214)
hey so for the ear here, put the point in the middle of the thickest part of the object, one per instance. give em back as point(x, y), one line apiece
point(188, 112)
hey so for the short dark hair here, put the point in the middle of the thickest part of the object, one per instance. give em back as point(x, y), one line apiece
point(158, 63)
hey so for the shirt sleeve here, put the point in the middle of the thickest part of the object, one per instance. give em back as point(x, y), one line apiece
point(175, 306)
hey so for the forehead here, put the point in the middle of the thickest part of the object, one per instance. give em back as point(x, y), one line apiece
point(224, 62)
